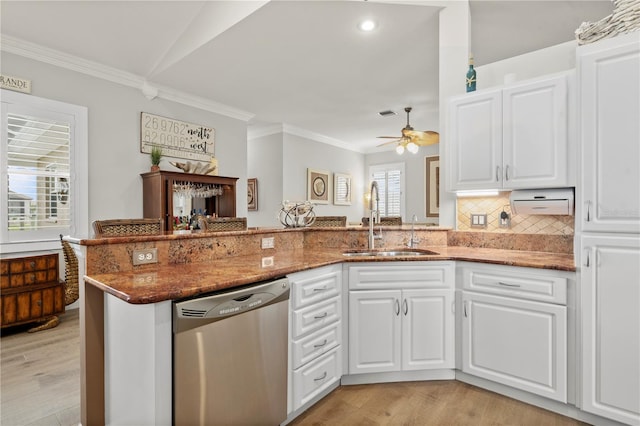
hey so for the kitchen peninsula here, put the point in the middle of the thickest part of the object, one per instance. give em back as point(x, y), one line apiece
point(126, 310)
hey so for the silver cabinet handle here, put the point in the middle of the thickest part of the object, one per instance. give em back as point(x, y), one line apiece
point(464, 305)
point(587, 211)
point(587, 258)
point(508, 284)
point(405, 307)
point(320, 288)
point(324, 376)
point(319, 345)
point(506, 172)
point(497, 173)
point(397, 307)
point(321, 316)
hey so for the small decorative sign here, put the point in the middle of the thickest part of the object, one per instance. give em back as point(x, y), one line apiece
point(15, 83)
point(176, 138)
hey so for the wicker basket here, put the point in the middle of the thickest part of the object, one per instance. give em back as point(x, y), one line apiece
point(122, 227)
point(386, 221)
point(71, 289)
point(218, 224)
point(330, 221)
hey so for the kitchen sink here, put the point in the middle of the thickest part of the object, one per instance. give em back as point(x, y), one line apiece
point(389, 253)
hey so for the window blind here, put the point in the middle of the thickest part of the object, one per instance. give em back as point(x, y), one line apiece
point(38, 169)
point(390, 188)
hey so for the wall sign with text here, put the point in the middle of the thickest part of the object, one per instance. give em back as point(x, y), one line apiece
point(176, 138)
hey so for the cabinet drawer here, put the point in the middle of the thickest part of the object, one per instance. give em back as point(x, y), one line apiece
point(315, 317)
point(28, 271)
point(401, 275)
point(316, 344)
point(509, 281)
point(313, 286)
point(313, 378)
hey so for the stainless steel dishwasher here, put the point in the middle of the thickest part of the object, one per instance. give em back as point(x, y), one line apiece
point(230, 357)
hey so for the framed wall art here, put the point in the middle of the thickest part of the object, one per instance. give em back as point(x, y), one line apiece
point(318, 186)
point(432, 173)
point(341, 189)
point(252, 194)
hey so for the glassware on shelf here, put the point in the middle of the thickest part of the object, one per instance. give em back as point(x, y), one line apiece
point(296, 214)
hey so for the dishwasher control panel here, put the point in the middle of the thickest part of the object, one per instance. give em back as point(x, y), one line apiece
point(217, 306)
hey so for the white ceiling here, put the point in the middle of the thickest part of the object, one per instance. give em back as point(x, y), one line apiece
point(300, 63)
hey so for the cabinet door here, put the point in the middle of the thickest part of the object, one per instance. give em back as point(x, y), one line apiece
point(374, 331)
point(516, 342)
point(427, 329)
point(535, 139)
point(609, 73)
point(475, 140)
point(610, 300)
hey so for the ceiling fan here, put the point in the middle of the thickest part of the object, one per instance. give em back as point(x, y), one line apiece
point(412, 139)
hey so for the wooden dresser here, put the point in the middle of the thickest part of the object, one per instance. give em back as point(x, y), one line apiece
point(30, 289)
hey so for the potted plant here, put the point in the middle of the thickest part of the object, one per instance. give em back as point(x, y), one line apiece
point(156, 155)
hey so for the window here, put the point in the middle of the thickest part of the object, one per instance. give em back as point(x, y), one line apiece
point(43, 163)
point(390, 179)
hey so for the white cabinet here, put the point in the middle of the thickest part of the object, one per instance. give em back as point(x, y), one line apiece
point(610, 293)
point(315, 355)
point(514, 328)
point(609, 81)
point(401, 317)
point(511, 138)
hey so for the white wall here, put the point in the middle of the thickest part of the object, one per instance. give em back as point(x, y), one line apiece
point(301, 153)
point(265, 162)
point(415, 179)
point(115, 161)
point(554, 59)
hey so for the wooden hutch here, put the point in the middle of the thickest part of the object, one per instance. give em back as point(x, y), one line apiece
point(164, 195)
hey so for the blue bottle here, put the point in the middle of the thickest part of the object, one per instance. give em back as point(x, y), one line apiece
point(471, 76)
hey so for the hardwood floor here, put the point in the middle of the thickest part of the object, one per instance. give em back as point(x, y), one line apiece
point(40, 385)
point(425, 403)
point(40, 374)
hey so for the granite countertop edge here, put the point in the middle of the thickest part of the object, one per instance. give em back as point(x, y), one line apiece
point(158, 283)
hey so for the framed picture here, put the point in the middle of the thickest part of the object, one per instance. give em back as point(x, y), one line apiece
point(252, 194)
point(341, 189)
point(432, 173)
point(318, 186)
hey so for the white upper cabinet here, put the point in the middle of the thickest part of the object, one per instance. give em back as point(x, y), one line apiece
point(475, 141)
point(511, 138)
point(609, 81)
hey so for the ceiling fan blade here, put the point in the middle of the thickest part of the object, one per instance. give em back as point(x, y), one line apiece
point(424, 138)
point(390, 137)
point(390, 142)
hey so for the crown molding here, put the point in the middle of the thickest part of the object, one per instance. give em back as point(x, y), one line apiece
point(255, 132)
point(74, 63)
point(297, 131)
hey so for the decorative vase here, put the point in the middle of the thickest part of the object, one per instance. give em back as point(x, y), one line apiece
point(155, 168)
point(471, 76)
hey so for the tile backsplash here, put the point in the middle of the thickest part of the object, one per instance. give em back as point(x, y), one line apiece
point(520, 224)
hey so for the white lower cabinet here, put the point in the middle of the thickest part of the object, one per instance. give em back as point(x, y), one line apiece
point(407, 326)
point(315, 355)
point(515, 332)
point(610, 293)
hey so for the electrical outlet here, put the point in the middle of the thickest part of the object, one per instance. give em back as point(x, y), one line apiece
point(478, 220)
point(144, 256)
point(268, 243)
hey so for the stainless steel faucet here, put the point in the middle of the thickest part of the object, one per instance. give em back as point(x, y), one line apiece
point(413, 241)
point(374, 215)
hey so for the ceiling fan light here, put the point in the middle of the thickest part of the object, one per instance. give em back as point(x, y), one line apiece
point(400, 149)
point(412, 147)
point(367, 25)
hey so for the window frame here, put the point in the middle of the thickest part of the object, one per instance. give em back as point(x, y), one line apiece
point(386, 167)
point(41, 240)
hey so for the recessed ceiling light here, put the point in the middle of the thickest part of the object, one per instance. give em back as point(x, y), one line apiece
point(367, 25)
